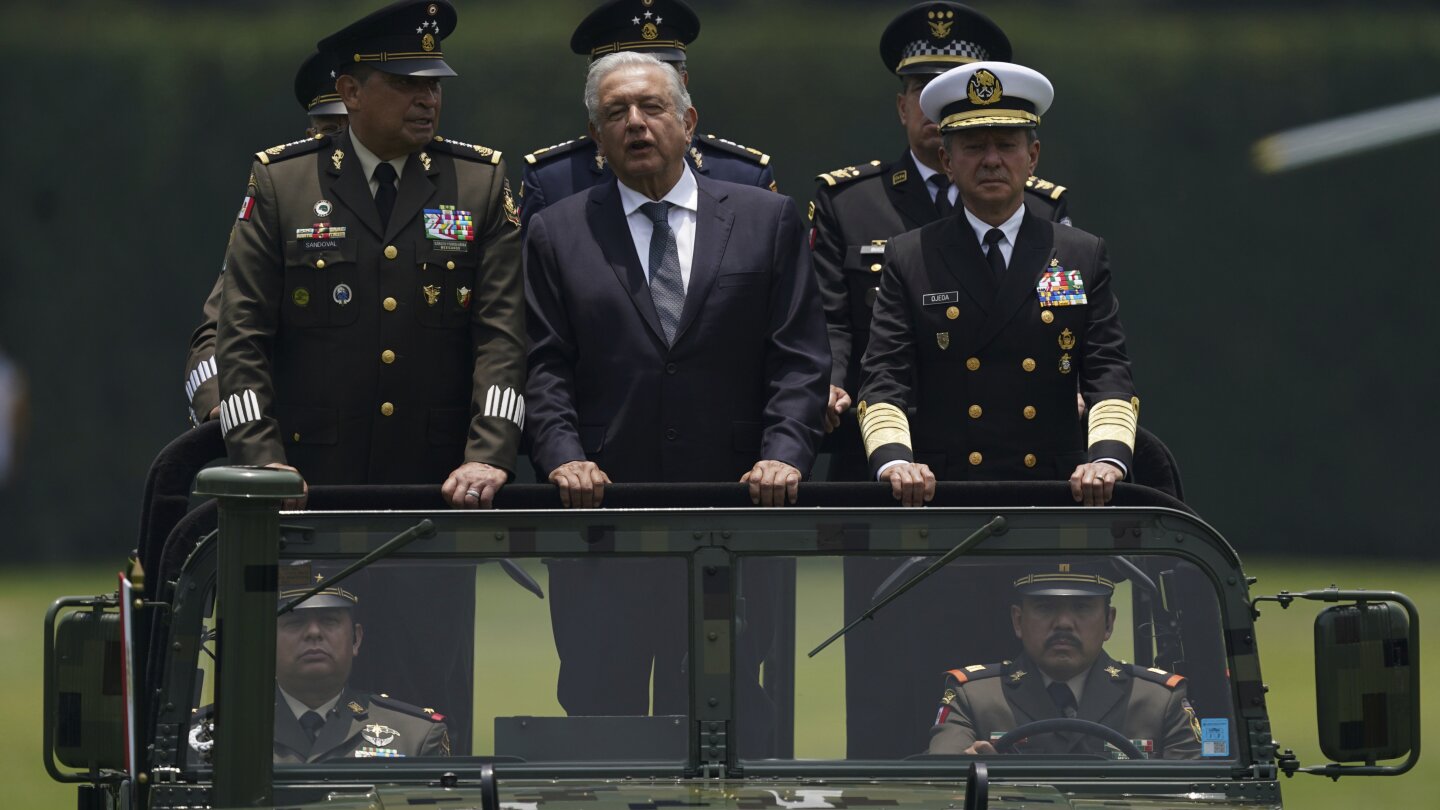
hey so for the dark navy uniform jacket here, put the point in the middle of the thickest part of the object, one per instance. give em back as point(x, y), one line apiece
point(556, 172)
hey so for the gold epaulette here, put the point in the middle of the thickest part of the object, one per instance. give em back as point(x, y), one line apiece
point(848, 173)
point(721, 144)
point(469, 151)
point(1044, 187)
point(291, 149)
point(556, 150)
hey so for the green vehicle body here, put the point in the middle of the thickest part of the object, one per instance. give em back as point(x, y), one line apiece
point(223, 600)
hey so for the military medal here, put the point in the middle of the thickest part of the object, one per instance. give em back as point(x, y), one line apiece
point(462, 297)
point(446, 224)
point(432, 294)
point(1059, 287)
point(323, 208)
point(341, 294)
point(378, 735)
point(1065, 364)
point(301, 297)
point(1067, 340)
point(942, 339)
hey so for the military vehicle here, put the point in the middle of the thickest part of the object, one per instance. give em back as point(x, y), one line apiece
point(166, 692)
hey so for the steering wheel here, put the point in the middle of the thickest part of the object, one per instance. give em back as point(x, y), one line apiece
point(1006, 743)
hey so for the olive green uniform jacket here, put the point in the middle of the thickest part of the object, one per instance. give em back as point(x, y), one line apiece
point(367, 354)
point(1140, 703)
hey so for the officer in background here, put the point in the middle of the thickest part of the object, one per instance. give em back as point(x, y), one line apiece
point(318, 715)
point(663, 29)
point(858, 208)
point(372, 320)
point(315, 90)
point(1062, 616)
point(987, 319)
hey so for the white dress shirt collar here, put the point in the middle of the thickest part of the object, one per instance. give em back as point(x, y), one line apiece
point(926, 173)
point(1010, 227)
point(298, 707)
point(684, 198)
point(684, 194)
point(369, 160)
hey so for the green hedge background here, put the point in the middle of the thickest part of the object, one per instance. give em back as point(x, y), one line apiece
point(1282, 327)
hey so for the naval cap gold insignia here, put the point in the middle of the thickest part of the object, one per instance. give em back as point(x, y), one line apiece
point(984, 88)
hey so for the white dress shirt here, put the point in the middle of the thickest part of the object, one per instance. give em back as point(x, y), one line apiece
point(369, 160)
point(1010, 227)
point(684, 198)
point(926, 173)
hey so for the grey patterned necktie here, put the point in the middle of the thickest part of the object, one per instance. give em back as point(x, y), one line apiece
point(667, 289)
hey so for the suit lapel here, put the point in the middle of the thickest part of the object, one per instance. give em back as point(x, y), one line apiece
point(910, 196)
point(1027, 263)
point(713, 222)
point(952, 245)
point(288, 731)
point(1102, 691)
point(348, 184)
point(606, 219)
point(343, 724)
point(1028, 695)
point(415, 189)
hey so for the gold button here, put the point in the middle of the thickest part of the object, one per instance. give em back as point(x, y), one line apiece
point(1047, 316)
point(1029, 411)
point(1030, 460)
point(973, 364)
point(386, 409)
point(875, 268)
point(451, 266)
point(1027, 364)
point(975, 459)
point(295, 437)
point(319, 264)
point(390, 304)
point(391, 252)
point(952, 313)
point(387, 356)
point(975, 411)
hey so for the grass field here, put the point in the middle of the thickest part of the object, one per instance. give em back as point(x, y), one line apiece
point(1285, 639)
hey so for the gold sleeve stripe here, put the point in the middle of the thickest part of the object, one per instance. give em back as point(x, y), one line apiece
point(884, 424)
point(1114, 420)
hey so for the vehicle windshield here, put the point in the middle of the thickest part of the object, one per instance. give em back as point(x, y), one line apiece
point(642, 642)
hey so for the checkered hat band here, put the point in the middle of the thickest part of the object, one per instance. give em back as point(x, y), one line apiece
point(955, 47)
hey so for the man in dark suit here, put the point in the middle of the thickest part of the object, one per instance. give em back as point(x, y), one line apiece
point(663, 29)
point(987, 318)
point(858, 208)
point(371, 328)
point(675, 336)
point(1062, 616)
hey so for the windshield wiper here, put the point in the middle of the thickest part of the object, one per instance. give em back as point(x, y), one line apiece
point(996, 524)
point(424, 528)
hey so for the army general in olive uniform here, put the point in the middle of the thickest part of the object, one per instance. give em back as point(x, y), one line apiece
point(1062, 616)
point(988, 318)
point(663, 29)
point(372, 324)
point(318, 715)
point(857, 209)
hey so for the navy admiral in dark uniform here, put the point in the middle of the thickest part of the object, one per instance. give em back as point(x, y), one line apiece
point(988, 318)
point(663, 29)
point(315, 90)
point(1062, 616)
point(372, 321)
point(858, 208)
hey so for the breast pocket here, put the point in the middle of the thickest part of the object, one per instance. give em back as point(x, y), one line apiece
point(320, 281)
point(445, 282)
point(862, 267)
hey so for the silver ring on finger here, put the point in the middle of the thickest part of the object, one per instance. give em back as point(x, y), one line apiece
point(470, 493)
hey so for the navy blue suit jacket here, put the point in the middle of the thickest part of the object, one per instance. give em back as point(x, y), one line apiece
point(555, 173)
point(746, 378)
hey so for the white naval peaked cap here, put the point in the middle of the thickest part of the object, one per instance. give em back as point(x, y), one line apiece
point(987, 94)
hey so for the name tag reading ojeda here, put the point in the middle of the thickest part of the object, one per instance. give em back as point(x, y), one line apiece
point(935, 299)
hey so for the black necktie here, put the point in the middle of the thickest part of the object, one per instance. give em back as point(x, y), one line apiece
point(1063, 697)
point(312, 722)
point(993, 256)
point(385, 193)
point(942, 195)
point(667, 288)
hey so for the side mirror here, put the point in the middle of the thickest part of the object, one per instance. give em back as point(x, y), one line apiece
point(1366, 669)
point(84, 696)
point(1367, 681)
